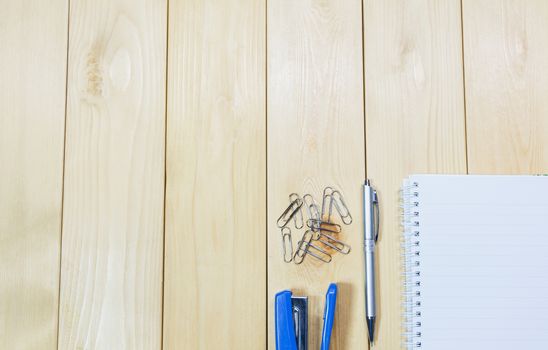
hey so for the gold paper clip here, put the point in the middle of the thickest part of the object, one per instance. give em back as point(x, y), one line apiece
point(289, 212)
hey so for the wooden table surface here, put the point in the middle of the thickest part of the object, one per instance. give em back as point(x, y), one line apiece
point(147, 148)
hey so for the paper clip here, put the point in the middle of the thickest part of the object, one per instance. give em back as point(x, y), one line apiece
point(304, 248)
point(314, 211)
point(334, 243)
point(323, 256)
point(287, 244)
point(326, 203)
point(318, 226)
point(289, 212)
point(312, 208)
point(323, 226)
point(340, 205)
point(298, 217)
point(301, 251)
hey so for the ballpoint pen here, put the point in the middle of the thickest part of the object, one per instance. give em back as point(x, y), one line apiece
point(371, 233)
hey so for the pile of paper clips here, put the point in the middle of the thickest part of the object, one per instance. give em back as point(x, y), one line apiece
point(319, 238)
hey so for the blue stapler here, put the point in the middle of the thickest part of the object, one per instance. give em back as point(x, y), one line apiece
point(291, 320)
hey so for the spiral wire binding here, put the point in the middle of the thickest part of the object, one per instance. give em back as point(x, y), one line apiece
point(412, 310)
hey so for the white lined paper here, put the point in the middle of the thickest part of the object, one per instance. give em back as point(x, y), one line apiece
point(483, 262)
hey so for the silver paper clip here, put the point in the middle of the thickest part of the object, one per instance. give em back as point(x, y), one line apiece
point(312, 208)
point(289, 212)
point(287, 244)
point(342, 209)
point(319, 253)
point(318, 226)
point(304, 248)
point(326, 203)
point(334, 243)
point(301, 251)
point(298, 217)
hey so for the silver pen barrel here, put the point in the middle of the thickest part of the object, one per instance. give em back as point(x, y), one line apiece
point(369, 199)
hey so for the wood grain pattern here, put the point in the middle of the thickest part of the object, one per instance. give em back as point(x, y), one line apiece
point(215, 260)
point(414, 120)
point(316, 139)
point(223, 260)
point(506, 61)
point(33, 39)
point(112, 249)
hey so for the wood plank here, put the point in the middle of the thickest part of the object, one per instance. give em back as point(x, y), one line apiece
point(33, 49)
point(215, 262)
point(506, 61)
point(112, 251)
point(316, 139)
point(414, 120)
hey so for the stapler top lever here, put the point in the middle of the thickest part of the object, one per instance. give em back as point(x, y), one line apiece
point(291, 320)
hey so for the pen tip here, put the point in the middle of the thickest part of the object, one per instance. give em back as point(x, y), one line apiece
point(371, 328)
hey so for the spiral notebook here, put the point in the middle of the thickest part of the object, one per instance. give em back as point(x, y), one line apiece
point(476, 262)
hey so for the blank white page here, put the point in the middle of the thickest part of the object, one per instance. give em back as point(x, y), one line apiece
point(483, 254)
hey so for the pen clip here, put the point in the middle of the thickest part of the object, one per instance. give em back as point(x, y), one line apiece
point(377, 214)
